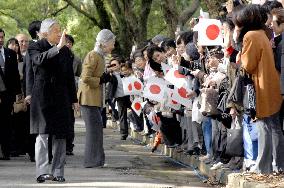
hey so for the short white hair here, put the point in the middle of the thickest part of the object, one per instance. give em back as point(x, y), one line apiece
point(105, 36)
point(46, 25)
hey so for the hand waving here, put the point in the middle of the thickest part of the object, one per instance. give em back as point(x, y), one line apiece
point(62, 41)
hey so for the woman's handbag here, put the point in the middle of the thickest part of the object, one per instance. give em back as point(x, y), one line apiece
point(209, 101)
point(19, 106)
point(243, 93)
point(235, 144)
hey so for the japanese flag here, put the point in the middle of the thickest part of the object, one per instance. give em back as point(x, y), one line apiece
point(155, 89)
point(137, 105)
point(155, 120)
point(209, 32)
point(181, 95)
point(165, 68)
point(171, 102)
point(177, 79)
point(132, 85)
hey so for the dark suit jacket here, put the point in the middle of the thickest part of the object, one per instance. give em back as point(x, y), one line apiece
point(28, 73)
point(10, 77)
point(53, 90)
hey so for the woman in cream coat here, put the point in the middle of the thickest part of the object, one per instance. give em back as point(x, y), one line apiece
point(91, 97)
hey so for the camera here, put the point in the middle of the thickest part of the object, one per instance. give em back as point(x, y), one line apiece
point(109, 66)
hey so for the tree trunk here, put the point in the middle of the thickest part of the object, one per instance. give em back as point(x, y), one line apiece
point(213, 7)
point(173, 19)
point(128, 27)
point(170, 15)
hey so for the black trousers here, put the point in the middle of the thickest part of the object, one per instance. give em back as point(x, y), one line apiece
point(5, 126)
point(123, 104)
point(171, 131)
point(104, 117)
point(23, 142)
point(114, 112)
point(71, 133)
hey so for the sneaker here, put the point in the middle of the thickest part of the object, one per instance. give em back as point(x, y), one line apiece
point(216, 166)
point(204, 158)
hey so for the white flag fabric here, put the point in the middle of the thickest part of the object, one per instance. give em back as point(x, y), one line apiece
point(165, 68)
point(203, 14)
point(177, 79)
point(155, 89)
point(132, 85)
point(137, 105)
point(171, 102)
point(209, 32)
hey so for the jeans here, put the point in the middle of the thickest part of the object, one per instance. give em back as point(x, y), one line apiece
point(207, 134)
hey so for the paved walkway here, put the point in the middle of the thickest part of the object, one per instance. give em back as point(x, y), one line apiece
point(129, 164)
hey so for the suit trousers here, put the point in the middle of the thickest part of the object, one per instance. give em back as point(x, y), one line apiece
point(5, 127)
point(41, 155)
point(122, 103)
point(71, 133)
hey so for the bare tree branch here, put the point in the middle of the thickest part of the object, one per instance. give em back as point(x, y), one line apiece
point(59, 10)
point(186, 14)
point(88, 15)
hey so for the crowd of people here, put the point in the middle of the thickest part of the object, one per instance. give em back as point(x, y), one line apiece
point(230, 111)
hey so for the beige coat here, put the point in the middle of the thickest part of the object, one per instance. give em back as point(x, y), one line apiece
point(90, 90)
point(258, 60)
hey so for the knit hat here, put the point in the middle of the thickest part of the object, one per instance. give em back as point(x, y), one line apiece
point(105, 36)
point(192, 51)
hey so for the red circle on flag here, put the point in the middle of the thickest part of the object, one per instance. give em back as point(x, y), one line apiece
point(178, 75)
point(155, 89)
point(137, 106)
point(137, 85)
point(212, 31)
point(182, 92)
point(130, 87)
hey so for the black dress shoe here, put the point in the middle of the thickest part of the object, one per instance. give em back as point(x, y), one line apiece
point(59, 179)
point(32, 159)
point(44, 177)
point(123, 137)
point(69, 153)
point(40, 179)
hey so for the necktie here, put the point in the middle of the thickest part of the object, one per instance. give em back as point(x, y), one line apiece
point(2, 62)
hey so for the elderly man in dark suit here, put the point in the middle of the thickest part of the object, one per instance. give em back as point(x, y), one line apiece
point(53, 94)
point(10, 81)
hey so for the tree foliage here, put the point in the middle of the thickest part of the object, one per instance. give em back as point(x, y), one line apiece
point(133, 21)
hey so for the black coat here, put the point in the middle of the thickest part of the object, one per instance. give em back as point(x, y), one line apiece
point(10, 77)
point(53, 90)
point(28, 73)
point(279, 62)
